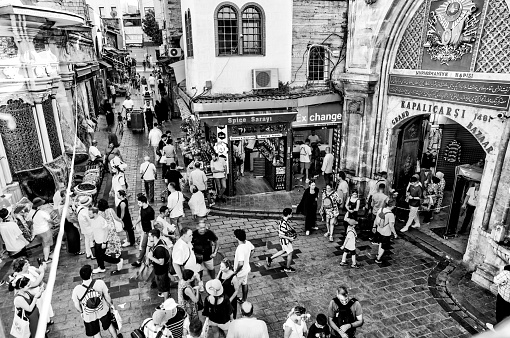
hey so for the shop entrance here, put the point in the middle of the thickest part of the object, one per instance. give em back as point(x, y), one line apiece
point(434, 146)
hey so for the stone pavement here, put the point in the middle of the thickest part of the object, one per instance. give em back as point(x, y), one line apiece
point(397, 297)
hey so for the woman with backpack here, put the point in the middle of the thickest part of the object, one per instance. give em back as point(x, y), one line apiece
point(308, 207)
point(217, 308)
point(329, 209)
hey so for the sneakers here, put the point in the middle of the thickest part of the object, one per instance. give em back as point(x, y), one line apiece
point(307, 233)
point(120, 264)
point(98, 270)
point(326, 234)
point(404, 229)
point(416, 226)
point(355, 266)
point(136, 264)
point(291, 269)
point(378, 261)
point(331, 238)
point(343, 263)
point(126, 244)
point(212, 203)
point(269, 260)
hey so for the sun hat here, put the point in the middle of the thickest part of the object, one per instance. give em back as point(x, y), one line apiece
point(83, 200)
point(37, 202)
point(214, 288)
point(169, 307)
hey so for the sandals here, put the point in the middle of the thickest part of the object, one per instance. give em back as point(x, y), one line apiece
point(51, 322)
point(326, 234)
point(331, 238)
point(79, 253)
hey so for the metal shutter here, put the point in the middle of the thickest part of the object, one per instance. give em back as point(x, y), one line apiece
point(471, 151)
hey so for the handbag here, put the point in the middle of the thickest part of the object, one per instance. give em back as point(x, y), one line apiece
point(119, 225)
point(115, 319)
point(20, 325)
point(141, 177)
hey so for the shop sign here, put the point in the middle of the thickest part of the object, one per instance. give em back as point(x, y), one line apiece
point(330, 113)
point(270, 117)
point(239, 138)
point(269, 136)
point(477, 121)
point(478, 93)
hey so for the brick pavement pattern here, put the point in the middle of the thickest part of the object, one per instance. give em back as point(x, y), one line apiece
point(395, 297)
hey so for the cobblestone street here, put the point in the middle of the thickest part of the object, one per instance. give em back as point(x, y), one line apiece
point(395, 296)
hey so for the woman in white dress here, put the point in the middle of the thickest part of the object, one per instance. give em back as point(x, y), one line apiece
point(295, 325)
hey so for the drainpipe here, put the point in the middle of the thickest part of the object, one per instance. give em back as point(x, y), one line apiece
point(497, 176)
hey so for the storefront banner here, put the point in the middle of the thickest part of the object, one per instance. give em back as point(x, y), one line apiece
point(324, 114)
point(251, 118)
point(484, 124)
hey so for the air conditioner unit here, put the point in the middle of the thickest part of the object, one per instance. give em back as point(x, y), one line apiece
point(174, 52)
point(264, 78)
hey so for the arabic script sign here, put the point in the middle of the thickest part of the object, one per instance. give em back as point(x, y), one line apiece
point(488, 94)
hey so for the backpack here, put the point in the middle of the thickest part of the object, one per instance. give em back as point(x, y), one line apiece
point(166, 259)
point(382, 215)
point(91, 299)
point(344, 315)
point(327, 202)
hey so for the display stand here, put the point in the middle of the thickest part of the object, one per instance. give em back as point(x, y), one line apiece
point(464, 176)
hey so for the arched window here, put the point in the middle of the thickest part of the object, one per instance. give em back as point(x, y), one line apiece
point(189, 34)
point(318, 64)
point(228, 30)
point(252, 30)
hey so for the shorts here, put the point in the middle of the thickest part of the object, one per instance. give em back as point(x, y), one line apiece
point(208, 265)
point(46, 238)
point(305, 165)
point(163, 282)
point(385, 241)
point(243, 279)
point(352, 252)
point(287, 248)
point(223, 327)
point(92, 328)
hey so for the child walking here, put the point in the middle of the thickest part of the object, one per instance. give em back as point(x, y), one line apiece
point(349, 245)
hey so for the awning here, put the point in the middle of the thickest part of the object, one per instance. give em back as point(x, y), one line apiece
point(179, 70)
point(248, 117)
point(104, 64)
point(470, 172)
point(112, 50)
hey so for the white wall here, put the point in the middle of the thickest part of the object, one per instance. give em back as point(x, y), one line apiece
point(232, 74)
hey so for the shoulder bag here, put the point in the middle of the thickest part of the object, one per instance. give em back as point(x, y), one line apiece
point(20, 324)
point(119, 225)
point(148, 165)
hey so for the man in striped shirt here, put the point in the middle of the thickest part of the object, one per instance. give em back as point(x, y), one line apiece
point(287, 235)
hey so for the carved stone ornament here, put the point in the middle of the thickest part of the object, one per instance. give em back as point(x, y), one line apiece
point(11, 72)
point(370, 2)
point(355, 107)
point(451, 30)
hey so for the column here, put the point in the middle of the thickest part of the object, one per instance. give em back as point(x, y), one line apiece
point(5, 171)
point(44, 139)
point(57, 122)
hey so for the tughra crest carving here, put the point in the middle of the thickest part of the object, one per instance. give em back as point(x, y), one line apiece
point(451, 30)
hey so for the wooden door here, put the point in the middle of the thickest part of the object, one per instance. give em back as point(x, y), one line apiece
point(408, 152)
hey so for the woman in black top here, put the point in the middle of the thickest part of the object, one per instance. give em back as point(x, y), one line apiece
point(229, 282)
point(217, 308)
point(352, 206)
point(308, 207)
point(124, 215)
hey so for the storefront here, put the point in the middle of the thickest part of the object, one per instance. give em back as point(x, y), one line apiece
point(436, 95)
point(322, 125)
point(266, 133)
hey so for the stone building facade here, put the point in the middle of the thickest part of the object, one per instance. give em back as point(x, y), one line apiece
point(442, 65)
point(49, 88)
